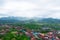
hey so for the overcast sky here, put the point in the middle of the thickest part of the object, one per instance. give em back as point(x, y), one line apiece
point(30, 8)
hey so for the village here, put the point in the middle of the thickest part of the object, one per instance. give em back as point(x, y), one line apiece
point(31, 34)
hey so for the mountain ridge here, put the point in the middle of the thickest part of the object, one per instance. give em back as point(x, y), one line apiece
point(25, 19)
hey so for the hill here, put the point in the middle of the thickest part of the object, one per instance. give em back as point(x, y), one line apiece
point(27, 20)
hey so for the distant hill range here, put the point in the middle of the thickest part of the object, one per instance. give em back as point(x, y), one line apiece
point(28, 20)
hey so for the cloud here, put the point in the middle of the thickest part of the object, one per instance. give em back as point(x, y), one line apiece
point(18, 8)
point(31, 8)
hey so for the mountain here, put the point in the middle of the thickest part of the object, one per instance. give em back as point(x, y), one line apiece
point(49, 20)
point(13, 20)
point(28, 20)
point(45, 20)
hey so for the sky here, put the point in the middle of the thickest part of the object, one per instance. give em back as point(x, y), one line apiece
point(30, 8)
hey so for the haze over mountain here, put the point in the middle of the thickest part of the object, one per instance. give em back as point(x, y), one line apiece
point(28, 20)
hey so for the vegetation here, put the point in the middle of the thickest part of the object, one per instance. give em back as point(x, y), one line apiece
point(12, 29)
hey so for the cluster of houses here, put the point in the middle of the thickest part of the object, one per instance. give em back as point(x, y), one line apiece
point(48, 36)
point(52, 35)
